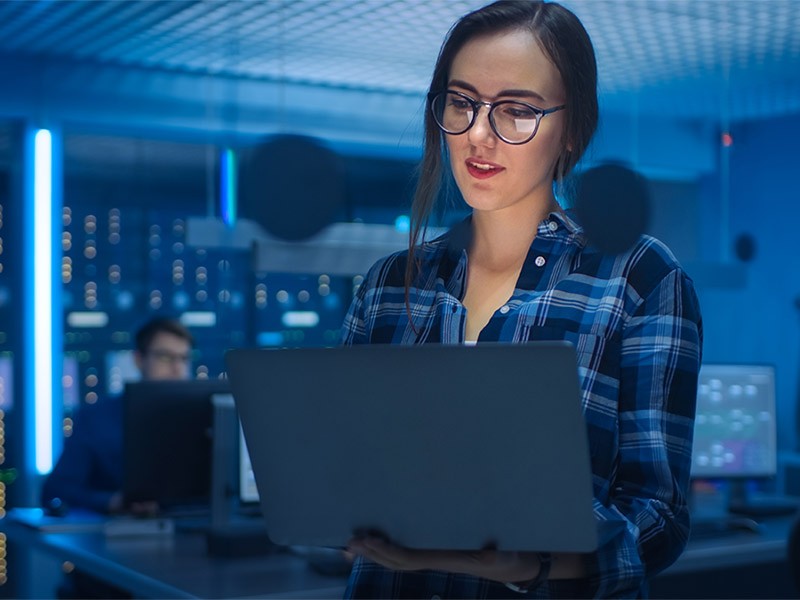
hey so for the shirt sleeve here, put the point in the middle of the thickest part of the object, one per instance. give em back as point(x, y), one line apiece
point(359, 325)
point(71, 478)
point(354, 330)
point(660, 361)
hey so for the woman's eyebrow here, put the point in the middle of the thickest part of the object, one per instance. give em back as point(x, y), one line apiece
point(502, 94)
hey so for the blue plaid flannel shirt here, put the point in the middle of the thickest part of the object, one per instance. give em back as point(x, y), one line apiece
point(635, 322)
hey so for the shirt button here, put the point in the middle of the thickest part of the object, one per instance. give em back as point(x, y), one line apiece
point(504, 309)
point(540, 260)
point(552, 225)
point(455, 308)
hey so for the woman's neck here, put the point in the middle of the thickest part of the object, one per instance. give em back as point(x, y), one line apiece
point(501, 239)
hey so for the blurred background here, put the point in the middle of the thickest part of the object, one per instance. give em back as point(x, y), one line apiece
point(154, 110)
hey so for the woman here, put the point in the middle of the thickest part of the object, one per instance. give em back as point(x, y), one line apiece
point(511, 108)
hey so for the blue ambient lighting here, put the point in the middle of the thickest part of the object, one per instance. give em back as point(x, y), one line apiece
point(228, 190)
point(43, 329)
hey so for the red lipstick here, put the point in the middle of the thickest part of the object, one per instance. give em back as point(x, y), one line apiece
point(482, 169)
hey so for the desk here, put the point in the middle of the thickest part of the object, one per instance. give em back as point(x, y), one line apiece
point(739, 565)
point(178, 566)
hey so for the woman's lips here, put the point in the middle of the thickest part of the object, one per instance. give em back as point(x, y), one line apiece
point(482, 169)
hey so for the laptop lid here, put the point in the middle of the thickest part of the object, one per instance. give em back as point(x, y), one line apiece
point(434, 446)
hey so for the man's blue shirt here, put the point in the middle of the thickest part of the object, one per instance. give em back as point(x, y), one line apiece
point(89, 470)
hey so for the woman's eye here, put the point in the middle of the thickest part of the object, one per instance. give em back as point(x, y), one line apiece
point(519, 112)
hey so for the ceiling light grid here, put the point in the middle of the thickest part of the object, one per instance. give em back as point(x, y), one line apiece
point(684, 55)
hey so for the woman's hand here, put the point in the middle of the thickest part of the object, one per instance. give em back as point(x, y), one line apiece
point(489, 564)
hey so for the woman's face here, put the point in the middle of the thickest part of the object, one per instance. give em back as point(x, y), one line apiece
point(491, 174)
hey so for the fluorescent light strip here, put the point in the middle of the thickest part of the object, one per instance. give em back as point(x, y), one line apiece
point(300, 318)
point(228, 189)
point(43, 299)
point(199, 318)
point(87, 319)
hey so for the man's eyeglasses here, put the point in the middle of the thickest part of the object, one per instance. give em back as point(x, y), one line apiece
point(513, 121)
point(167, 357)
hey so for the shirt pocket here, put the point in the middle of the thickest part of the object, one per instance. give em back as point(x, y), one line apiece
point(598, 358)
point(595, 352)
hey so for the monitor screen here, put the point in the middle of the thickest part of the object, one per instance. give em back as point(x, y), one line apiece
point(70, 384)
point(6, 382)
point(248, 492)
point(735, 430)
point(167, 441)
point(120, 369)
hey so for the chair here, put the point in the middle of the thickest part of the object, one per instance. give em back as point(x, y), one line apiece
point(794, 553)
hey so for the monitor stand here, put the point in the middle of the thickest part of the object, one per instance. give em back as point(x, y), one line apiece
point(742, 502)
point(230, 535)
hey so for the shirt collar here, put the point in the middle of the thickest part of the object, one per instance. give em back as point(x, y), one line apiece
point(459, 236)
point(569, 220)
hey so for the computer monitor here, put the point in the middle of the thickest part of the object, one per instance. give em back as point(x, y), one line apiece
point(120, 369)
point(6, 381)
point(167, 441)
point(70, 384)
point(248, 492)
point(735, 440)
point(735, 430)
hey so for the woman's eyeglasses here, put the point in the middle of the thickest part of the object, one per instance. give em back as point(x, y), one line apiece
point(512, 121)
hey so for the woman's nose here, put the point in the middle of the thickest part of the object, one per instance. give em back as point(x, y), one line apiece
point(481, 133)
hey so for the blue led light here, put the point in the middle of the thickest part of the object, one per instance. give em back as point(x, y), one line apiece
point(228, 188)
point(43, 329)
point(402, 223)
point(270, 338)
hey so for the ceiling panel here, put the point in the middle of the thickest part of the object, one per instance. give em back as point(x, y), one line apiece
point(732, 58)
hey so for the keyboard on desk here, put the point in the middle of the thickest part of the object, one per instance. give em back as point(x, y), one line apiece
point(703, 529)
point(765, 506)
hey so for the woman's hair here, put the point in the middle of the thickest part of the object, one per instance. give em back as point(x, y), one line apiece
point(564, 40)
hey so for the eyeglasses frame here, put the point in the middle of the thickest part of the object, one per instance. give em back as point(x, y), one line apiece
point(476, 105)
point(165, 356)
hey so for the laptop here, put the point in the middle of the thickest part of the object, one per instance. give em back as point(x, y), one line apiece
point(433, 446)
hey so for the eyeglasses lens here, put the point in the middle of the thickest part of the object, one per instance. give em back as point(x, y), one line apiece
point(513, 121)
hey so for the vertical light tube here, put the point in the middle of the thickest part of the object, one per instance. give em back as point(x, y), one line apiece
point(228, 188)
point(42, 318)
point(43, 299)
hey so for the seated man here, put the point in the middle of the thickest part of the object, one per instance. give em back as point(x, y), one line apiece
point(88, 474)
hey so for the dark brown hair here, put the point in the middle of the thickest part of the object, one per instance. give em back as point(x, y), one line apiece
point(148, 332)
point(564, 40)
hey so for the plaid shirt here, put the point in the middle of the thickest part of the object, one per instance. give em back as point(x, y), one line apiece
point(635, 322)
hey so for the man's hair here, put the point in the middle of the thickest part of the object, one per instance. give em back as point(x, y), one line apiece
point(148, 332)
